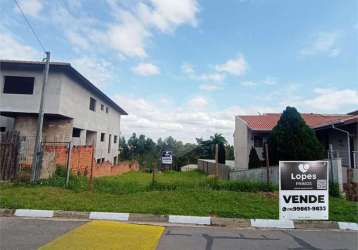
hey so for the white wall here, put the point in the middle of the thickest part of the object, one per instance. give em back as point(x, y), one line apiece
point(65, 97)
point(30, 103)
point(75, 103)
point(6, 122)
point(241, 144)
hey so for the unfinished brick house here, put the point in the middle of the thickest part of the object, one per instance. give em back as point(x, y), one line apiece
point(75, 109)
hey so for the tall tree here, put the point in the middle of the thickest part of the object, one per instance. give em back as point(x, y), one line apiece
point(230, 155)
point(124, 153)
point(218, 139)
point(292, 139)
point(254, 161)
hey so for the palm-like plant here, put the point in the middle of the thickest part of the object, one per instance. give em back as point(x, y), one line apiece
point(218, 139)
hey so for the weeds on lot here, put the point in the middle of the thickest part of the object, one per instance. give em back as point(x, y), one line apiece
point(168, 181)
point(76, 183)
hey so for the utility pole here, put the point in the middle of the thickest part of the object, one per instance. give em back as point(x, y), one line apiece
point(217, 159)
point(37, 147)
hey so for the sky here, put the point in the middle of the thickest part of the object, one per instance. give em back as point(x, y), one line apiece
point(186, 68)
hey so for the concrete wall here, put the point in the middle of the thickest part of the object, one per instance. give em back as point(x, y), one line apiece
point(75, 103)
point(65, 97)
point(7, 122)
point(30, 103)
point(209, 167)
point(256, 175)
point(241, 144)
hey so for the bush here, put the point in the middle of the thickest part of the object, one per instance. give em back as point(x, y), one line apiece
point(291, 139)
point(334, 190)
point(221, 153)
point(76, 183)
point(254, 161)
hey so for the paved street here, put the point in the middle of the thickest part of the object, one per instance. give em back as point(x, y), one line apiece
point(219, 238)
point(21, 233)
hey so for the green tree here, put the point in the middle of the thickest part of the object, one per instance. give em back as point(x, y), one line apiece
point(292, 139)
point(254, 161)
point(221, 153)
point(124, 153)
point(206, 148)
point(218, 139)
point(230, 155)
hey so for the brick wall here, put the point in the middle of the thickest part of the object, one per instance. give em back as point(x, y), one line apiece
point(81, 159)
point(107, 169)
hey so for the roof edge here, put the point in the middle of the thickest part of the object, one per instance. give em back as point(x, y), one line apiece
point(69, 69)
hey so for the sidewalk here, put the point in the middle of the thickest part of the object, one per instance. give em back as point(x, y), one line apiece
point(181, 219)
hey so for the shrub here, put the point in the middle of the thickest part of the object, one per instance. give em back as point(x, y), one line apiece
point(76, 183)
point(334, 190)
point(292, 139)
point(221, 153)
point(254, 161)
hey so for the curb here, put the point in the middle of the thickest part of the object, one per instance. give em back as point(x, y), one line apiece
point(181, 219)
point(189, 220)
point(34, 213)
point(108, 216)
point(348, 226)
point(262, 223)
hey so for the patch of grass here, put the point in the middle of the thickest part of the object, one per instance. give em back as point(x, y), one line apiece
point(202, 203)
point(188, 193)
point(218, 203)
point(168, 181)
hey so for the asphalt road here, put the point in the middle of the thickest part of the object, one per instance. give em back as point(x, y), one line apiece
point(218, 238)
point(27, 234)
point(20, 233)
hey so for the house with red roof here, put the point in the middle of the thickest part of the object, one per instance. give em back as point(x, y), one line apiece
point(337, 133)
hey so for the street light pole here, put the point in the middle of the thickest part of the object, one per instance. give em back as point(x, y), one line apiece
point(37, 147)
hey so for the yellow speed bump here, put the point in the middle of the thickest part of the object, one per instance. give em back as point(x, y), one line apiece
point(108, 235)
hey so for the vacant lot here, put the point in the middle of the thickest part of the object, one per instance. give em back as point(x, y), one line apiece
point(190, 193)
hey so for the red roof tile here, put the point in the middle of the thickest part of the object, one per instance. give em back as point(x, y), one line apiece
point(269, 121)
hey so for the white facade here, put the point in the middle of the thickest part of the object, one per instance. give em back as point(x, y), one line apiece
point(66, 106)
point(244, 140)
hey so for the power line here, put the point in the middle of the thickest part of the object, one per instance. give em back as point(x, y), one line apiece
point(30, 26)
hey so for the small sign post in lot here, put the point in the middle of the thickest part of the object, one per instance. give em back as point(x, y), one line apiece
point(167, 157)
point(303, 192)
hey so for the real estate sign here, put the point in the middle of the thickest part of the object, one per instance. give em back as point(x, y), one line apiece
point(167, 157)
point(303, 189)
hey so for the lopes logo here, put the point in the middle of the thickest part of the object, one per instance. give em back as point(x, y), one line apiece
point(303, 167)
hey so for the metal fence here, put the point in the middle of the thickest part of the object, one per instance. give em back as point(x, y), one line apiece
point(54, 154)
point(9, 148)
point(349, 159)
point(16, 154)
point(355, 159)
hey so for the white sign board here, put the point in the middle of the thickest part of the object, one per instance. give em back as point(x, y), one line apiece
point(167, 157)
point(303, 189)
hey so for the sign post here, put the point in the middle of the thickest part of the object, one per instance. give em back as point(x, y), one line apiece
point(167, 158)
point(303, 193)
